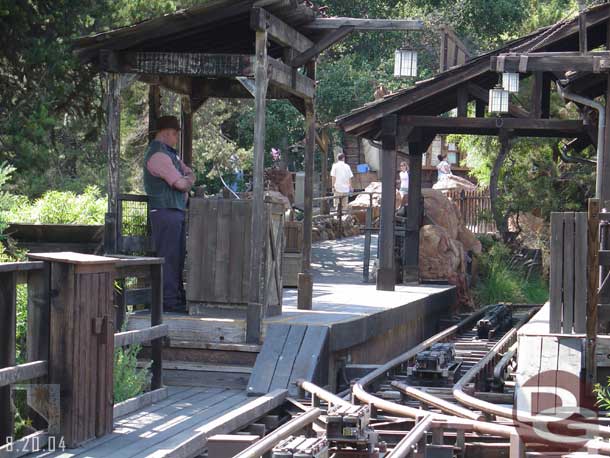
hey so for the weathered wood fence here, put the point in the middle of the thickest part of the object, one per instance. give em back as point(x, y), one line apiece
point(475, 208)
point(577, 265)
point(70, 344)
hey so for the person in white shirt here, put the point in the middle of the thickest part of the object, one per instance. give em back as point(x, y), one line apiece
point(443, 167)
point(404, 178)
point(342, 175)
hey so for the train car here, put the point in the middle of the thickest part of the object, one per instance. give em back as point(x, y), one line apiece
point(497, 319)
point(438, 362)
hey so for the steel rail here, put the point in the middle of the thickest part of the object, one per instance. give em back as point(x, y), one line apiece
point(504, 412)
point(447, 421)
point(435, 401)
point(481, 427)
point(321, 393)
point(272, 439)
point(406, 445)
point(504, 361)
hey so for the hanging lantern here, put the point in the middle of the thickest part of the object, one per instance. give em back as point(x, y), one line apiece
point(405, 62)
point(498, 100)
point(510, 82)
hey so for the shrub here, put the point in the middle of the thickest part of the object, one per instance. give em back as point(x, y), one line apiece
point(129, 381)
point(60, 207)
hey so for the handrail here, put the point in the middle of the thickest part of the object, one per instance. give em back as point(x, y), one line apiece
point(7, 267)
point(23, 372)
point(138, 336)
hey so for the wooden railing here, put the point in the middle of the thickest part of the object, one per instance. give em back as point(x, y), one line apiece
point(475, 208)
point(70, 345)
point(12, 274)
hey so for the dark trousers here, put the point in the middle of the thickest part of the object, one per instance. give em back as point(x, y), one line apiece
point(168, 232)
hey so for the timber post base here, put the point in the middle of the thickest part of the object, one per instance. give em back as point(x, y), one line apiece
point(410, 275)
point(386, 279)
point(305, 297)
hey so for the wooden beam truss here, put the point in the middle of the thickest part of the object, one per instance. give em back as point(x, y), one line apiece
point(552, 62)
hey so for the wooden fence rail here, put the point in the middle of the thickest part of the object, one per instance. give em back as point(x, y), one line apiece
point(70, 342)
point(12, 274)
point(475, 208)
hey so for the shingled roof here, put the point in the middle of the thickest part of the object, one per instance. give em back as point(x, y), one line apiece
point(219, 26)
point(439, 94)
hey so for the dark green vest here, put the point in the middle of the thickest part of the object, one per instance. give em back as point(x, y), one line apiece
point(160, 194)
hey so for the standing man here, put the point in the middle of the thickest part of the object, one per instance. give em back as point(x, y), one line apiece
point(342, 175)
point(167, 181)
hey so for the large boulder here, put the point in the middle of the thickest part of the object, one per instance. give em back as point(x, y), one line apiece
point(442, 212)
point(442, 258)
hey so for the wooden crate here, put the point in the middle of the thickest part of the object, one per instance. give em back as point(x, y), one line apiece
point(293, 234)
point(81, 342)
point(218, 254)
point(291, 267)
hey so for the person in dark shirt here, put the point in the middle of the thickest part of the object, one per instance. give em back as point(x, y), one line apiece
point(167, 181)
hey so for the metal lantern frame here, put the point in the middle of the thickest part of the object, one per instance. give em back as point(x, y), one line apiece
point(405, 62)
point(510, 82)
point(499, 99)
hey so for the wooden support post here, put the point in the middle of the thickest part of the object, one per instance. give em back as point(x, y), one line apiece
point(186, 134)
point(415, 211)
point(536, 108)
point(8, 313)
point(113, 141)
point(154, 109)
point(605, 160)
point(479, 109)
point(386, 276)
point(324, 148)
point(582, 29)
point(156, 319)
point(592, 291)
point(462, 102)
point(410, 273)
point(257, 230)
point(305, 280)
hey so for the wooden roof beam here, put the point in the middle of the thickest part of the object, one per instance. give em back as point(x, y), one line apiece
point(482, 94)
point(364, 24)
point(552, 62)
point(290, 80)
point(185, 64)
point(493, 126)
point(278, 30)
point(326, 42)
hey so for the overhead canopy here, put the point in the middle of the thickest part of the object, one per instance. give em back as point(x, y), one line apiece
point(219, 26)
point(472, 80)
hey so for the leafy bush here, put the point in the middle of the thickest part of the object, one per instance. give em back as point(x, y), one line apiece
point(129, 381)
point(57, 207)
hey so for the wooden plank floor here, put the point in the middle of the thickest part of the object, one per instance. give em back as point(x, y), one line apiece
point(152, 431)
point(339, 297)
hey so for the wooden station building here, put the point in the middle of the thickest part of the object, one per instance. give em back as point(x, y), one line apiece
point(261, 49)
point(407, 121)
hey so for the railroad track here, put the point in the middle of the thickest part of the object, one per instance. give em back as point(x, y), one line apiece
point(470, 349)
point(466, 412)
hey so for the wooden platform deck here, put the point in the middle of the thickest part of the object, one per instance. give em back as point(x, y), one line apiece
point(354, 310)
point(175, 427)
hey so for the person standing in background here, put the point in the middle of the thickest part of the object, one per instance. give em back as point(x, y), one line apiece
point(167, 181)
point(342, 175)
point(404, 178)
point(443, 168)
